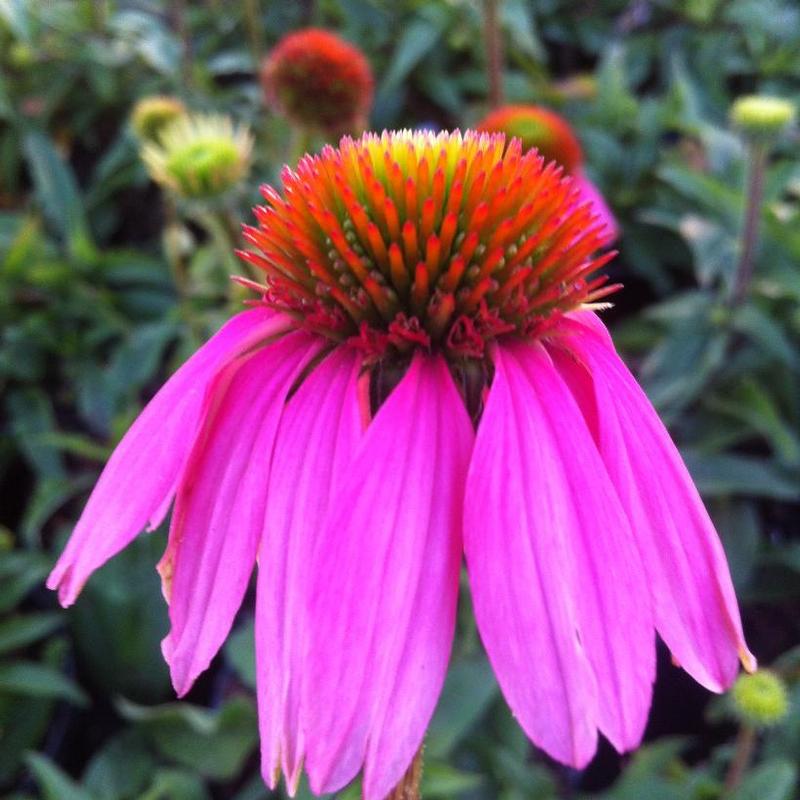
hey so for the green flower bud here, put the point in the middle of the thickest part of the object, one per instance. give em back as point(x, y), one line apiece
point(761, 698)
point(151, 115)
point(199, 156)
point(762, 117)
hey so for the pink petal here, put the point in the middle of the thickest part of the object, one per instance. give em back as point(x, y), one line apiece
point(136, 487)
point(219, 510)
point(385, 583)
point(615, 617)
point(589, 193)
point(318, 434)
point(693, 599)
point(518, 531)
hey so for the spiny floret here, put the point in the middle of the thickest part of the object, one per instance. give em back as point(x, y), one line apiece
point(419, 239)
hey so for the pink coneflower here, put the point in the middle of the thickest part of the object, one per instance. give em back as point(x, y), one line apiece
point(422, 376)
point(555, 140)
point(319, 80)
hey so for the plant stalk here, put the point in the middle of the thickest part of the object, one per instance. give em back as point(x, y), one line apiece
point(743, 277)
point(494, 51)
point(409, 786)
point(742, 756)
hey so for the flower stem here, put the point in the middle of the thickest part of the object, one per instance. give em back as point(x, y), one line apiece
point(408, 788)
point(252, 21)
point(743, 753)
point(494, 52)
point(752, 216)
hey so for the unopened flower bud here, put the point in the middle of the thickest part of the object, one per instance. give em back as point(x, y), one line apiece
point(760, 116)
point(760, 698)
point(151, 115)
point(320, 81)
point(199, 156)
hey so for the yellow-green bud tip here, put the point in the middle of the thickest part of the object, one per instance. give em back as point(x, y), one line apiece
point(199, 156)
point(761, 698)
point(152, 114)
point(759, 115)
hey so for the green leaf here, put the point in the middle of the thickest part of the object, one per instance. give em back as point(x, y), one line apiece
point(58, 193)
point(119, 621)
point(31, 413)
point(175, 784)
point(750, 476)
point(36, 680)
point(53, 781)
point(21, 631)
point(774, 780)
point(240, 651)
point(468, 691)
point(215, 743)
point(415, 42)
point(122, 768)
point(20, 571)
point(24, 720)
point(47, 497)
point(440, 780)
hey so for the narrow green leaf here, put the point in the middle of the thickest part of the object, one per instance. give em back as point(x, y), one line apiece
point(36, 680)
point(58, 193)
point(21, 631)
point(53, 781)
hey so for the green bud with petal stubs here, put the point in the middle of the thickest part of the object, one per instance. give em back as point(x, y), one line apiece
point(151, 115)
point(199, 157)
point(760, 699)
point(762, 117)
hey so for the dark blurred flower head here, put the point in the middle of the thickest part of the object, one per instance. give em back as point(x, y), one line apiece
point(319, 81)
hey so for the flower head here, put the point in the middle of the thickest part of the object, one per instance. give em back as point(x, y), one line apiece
point(199, 156)
point(151, 115)
point(319, 80)
point(420, 239)
point(420, 378)
point(762, 116)
point(761, 698)
point(542, 129)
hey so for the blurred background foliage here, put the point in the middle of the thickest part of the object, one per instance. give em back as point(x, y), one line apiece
point(106, 285)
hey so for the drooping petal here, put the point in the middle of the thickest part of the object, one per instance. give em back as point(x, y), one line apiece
point(615, 617)
point(136, 487)
point(316, 441)
point(219, 509)
point(518, 523)
point(385, 583)
point(694, 603)
point(589, 193)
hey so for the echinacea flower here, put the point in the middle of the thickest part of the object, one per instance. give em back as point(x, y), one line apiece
point(199, 156)
point(151, 115)
point(421, 376)
point(320, 81)
point(554, 138)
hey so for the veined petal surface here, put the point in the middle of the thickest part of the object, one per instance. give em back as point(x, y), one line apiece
point(136, 487)
point(385, 585)
point(694, 603)
point(219, 509)
point(518, 533)
point(318, 435)
point(615, 617)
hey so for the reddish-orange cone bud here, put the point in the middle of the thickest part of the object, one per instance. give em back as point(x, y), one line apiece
point(320, 81)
